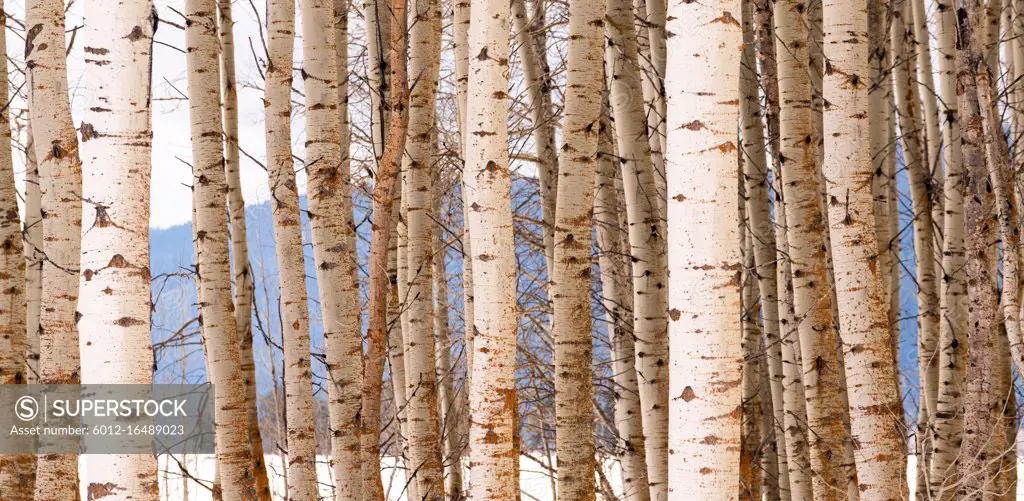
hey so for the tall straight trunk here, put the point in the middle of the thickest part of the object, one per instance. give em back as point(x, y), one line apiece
point(377, 16)
point(800, 173)
point(647, 241)
point(60, 180)
point(929, 106)
point(115, 298)
point(980, 415)
point(241, 271)
point(17, 471)
point(234, 457)
point(420, 377)
point(908, 99)
point(704, 250)
point(651, 42)
point(571, 276)
point(751, 452)
point(795, 419)
point(492, 398)
point(460, 22)
point(758, 210)
point(33, 241)
point(871, 377)
point(948, 424)
point(301, 478)
point(617, 299)
point(384, 184)
point(343, 393)
point(531, 38)
point(448, 395)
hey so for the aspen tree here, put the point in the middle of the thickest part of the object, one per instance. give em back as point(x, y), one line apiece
point(758, 210)
point(234, 459)
point(908, 99)
point(953, 327)
point(241, 271)
point(980, 416)
point(301, 477)
point(116, 147)
point(32, 237)
point(344, 390)
point(460, 22)
point(531, 40)
point(617, 299)
point(492, 398)
point(646, 238)
point(16, 470)
point(814, 323)
point(928, 93)
point(571, 284)
point(704, 249)
point(420, 377)
point(752, 471)
point(377, 16)
point(384, 185)
point(651, 56)
point(863, 313)
point(60, 182)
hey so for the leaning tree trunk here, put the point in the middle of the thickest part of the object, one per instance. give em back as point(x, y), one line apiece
point(617, 300)
point(115, 298)
point(980, 415)
point(571, 276)
point(241, 271)
point(343, 392)
point(60, 180)
point(234, 457)
point(871, 377)
point(377, 329)
point(759, 222)
point(492, 397)
point(818, 339)
point(17, 471)
point(704, 251)
point(646, 238)
point(301, 475)
point(425, 459)
point(953, 327)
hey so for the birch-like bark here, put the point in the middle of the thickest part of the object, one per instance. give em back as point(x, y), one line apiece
point(301, 477)
point(571, 276)
point(17, 471)
point(241, 271)
point(908, 99)
point(871, 378)
point(651, 41)
point(343, 393)
point(384, 185)
point(800, 173)
point(759, 222)
point(32, 236)
point(425, 458)
point(704, 250)
point(646, 237)
point(60, 180)
point(209, 188)
point(953, 327)
point(532, 39)
point(492, 398)
point(617, 299)
point(115, 299)
point(751, 455)
point(377, 18)
point(980, 415)
point(929, 106)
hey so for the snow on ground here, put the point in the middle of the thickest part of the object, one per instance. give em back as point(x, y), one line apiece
point(534, 477)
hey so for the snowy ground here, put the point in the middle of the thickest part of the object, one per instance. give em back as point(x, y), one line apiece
point(534, 478)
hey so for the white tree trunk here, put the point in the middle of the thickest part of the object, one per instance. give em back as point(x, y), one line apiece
point(704, 250)
point(234, 459)
point(60, 180)
point(571, 276)
point(492, 397)
point(115, 298)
